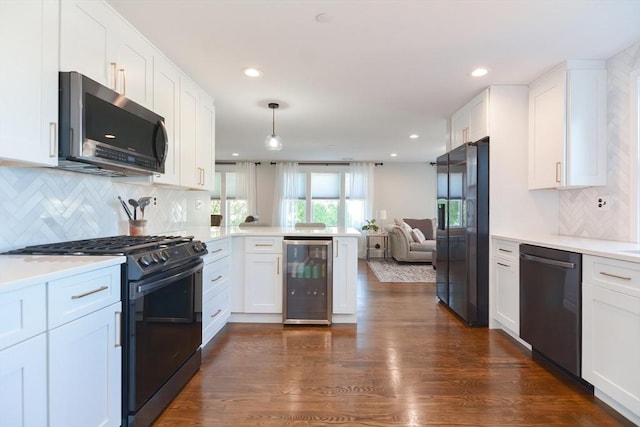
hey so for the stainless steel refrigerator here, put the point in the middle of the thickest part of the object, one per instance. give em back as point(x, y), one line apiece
point(462, 237)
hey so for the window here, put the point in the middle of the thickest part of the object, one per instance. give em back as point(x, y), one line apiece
point(325, 198)
point(224, 199)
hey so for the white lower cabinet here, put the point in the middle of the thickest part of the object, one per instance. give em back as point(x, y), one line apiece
point(345, 274)
point(216, 288)
point(506, 267)
point(85, 365)
point(263, 283)
point(60, 352)
point(23, 384)
point(611, 332)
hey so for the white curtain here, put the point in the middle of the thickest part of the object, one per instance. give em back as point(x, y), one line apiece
point(246, 185)
point(360, 198)
point(286, 193)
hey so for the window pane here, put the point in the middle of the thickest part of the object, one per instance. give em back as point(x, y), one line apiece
point(231, 185)
point(217, 180)
point(325, 211)
point(216, 207)
point(237, 211)
point(325, 185)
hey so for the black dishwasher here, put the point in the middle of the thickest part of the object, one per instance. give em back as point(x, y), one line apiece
point(550, 304)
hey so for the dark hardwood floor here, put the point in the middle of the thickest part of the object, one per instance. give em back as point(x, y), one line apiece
point(409, 362)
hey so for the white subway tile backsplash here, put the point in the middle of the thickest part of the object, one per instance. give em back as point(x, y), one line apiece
point(42, 205)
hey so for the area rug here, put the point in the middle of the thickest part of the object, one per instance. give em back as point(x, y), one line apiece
point(389, 270)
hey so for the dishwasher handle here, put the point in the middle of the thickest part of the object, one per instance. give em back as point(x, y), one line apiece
point(556, 263)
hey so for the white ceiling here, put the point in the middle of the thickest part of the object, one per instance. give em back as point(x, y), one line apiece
point(356, 86)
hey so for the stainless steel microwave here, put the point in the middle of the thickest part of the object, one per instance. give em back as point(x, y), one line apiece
point(105, 133)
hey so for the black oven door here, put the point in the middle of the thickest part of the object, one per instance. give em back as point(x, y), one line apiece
point(164, 330)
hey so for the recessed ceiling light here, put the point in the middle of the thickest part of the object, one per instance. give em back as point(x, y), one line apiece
point(394, 154)
point(414, 136)
point(252, 72)
point(479, 72)
point(235, 154)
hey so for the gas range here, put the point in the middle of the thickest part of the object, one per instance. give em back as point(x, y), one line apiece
point(145, 254)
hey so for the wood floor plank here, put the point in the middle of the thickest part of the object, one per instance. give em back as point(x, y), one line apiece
point(408, 362)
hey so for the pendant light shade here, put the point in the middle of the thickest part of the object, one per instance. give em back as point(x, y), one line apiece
point(273, 141)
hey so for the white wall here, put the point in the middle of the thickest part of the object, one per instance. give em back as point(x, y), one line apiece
point(41, 205)
point(405, 190)
point(579, 215)
point(513, 208)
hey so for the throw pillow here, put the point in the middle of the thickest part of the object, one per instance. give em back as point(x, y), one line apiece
point(417, 235)
point(398, 222)
point(424, 225)
point(406, 227)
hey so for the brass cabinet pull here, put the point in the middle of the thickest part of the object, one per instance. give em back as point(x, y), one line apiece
point(124, 81)
point(504, 265)
point(264, 244)
point(216, 279)
point(53, 139)
point(86, 294)
point(118, 327)
point(604, 273)
point(114, 76)
point(505, 250)
point(216, 313)
point(278, 265)
point(558, 171)
point(216, 251)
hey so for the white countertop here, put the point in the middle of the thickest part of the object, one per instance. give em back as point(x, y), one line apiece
point(25, 270)
point(603, 248)
point(208, 234)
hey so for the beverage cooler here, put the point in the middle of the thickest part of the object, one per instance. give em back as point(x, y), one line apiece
point(307, 296)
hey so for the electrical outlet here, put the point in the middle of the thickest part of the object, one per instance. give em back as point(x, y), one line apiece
point(603, 203)
point(155, 201)
point(198, 204)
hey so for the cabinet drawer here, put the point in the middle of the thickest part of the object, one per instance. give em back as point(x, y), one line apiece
point(620, 276)
point(78, 295)
point(215, 312)
point(217, 249)
point(255, 244)
point(23, 314)
point(506, 249)
point(215, 274)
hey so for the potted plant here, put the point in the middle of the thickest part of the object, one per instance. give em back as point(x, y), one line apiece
point(370, 226)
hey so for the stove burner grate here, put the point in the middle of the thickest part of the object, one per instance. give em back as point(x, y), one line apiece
point(116, 245)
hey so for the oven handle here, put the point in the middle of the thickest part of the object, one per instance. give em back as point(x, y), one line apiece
point(145, 286)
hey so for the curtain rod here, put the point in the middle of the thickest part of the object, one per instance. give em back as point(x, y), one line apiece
point(231, 163)
point(326, 163)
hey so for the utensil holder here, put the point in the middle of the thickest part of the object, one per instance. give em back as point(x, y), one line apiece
point(137, 227)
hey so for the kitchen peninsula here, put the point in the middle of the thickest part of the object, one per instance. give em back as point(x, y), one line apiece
point(244, 272)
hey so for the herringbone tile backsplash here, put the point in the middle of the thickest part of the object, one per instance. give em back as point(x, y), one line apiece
point(41, 205)
point(579, 215)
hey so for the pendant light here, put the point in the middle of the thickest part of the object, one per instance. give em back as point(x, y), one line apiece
point(273, 141)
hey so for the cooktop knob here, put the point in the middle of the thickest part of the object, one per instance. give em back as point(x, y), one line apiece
point(164, 256)
point(155, 258)
point(145, 260)
point(198, 246)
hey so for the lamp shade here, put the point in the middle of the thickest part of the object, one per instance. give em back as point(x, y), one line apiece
point(382, 214)
point(273, 143)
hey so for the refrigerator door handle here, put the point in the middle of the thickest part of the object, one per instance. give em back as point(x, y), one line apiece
point(441, 216)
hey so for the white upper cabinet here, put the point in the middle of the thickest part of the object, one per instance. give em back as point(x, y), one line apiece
point(98, 43)
point(471, 122)
point(166, 102)
point(567, 126)
point(29, 82)
point(197, 122)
